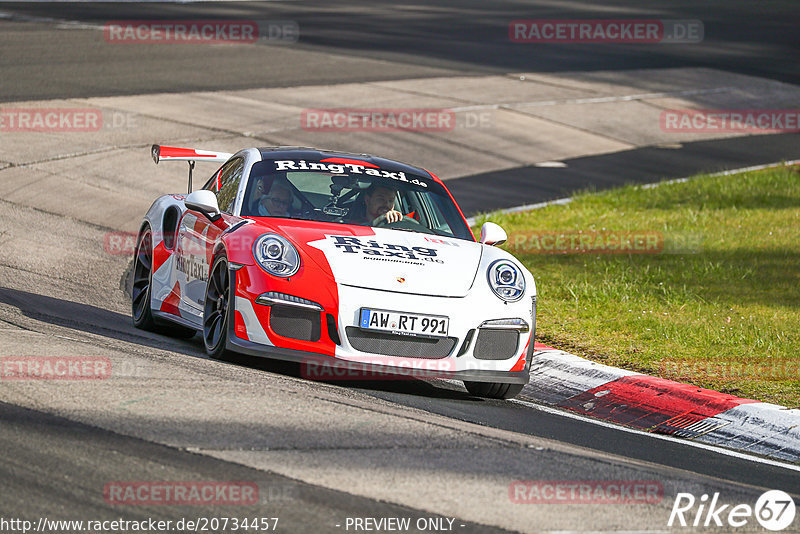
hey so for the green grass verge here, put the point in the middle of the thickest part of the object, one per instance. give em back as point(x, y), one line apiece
point(715, 301)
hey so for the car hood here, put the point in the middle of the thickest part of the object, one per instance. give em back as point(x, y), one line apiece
point(393, 260)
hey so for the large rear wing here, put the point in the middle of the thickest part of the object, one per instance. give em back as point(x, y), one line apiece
point(171, 153)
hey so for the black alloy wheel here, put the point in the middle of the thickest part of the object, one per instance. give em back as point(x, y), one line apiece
point(142, 282)
point(215, 311)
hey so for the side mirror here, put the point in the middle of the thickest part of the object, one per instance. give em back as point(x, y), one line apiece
point(493, 234)
point(205, 202)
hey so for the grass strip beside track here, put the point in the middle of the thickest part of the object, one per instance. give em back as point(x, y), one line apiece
point(707, 290)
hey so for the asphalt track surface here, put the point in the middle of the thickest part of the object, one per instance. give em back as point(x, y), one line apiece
point(59, 462)
point(46, 444)
point(436, 396)
point(521, 186)
point(57, 466)
point(412, 39)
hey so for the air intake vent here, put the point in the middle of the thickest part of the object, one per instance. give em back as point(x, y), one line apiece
point(496, 344)
point(467, 340)
point(296, 323)
point(393, 345)
point(333, 332)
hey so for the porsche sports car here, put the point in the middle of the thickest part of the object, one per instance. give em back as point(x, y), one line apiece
point(330, 258)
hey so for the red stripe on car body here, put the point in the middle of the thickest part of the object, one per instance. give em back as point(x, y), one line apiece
point(173, 300)
point(175, 152)
point(160, 255)
point(346, 161)
point(239, 327)
point(520, 365)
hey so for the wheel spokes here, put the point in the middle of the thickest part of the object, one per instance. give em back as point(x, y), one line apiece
point(223, 281)
point(145, 254)
point(139, 302)
point(212, 328)
point(216, 330)
point(141, 277)
point(216, 305)
point(144, 258)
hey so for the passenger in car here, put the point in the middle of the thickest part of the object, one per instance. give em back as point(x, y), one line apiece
point(277, 202)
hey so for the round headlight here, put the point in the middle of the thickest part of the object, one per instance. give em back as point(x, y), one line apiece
point(506, 280)
point(276, 255)
point(274, 250)
point(506, 275)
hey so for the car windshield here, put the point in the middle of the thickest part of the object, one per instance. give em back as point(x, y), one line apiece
point(356, 193)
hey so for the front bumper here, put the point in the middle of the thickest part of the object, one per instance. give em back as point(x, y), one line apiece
point(340, 350)
point(319, 367)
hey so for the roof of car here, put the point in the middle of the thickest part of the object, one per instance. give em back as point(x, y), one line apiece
point(316, 154)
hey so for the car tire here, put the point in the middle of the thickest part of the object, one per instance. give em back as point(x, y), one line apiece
point(216, 308)
point(141, 310)
point(491, 390)
point(141, 293)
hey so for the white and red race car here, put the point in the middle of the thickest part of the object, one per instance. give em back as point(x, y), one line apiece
point(278, 255)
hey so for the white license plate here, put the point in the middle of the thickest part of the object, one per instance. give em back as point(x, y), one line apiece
point(411, 324)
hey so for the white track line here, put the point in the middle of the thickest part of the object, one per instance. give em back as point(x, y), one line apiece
point(606, 424)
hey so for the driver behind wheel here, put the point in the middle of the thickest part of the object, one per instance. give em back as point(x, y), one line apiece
point(378, 206)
